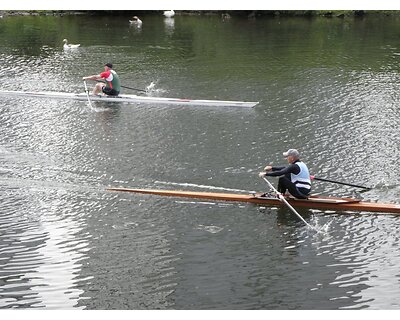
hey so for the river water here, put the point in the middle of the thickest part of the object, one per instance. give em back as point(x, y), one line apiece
point(328, 87)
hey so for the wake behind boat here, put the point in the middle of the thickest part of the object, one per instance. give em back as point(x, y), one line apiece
point(128, 98)
point(317, 202)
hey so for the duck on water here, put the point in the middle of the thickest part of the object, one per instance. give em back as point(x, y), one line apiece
point(70, 46)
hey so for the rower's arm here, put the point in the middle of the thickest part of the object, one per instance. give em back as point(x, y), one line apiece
point(280, 171)
point(274, 168)
point(93, 77)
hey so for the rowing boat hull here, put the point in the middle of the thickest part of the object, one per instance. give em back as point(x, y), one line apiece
point(129, 98)
point(330, 203)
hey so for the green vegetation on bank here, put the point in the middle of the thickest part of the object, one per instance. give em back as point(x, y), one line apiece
point(242, 13)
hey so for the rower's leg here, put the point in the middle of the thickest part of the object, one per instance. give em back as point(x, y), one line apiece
point(98, 88)
point(291, 187)
point(283, 184)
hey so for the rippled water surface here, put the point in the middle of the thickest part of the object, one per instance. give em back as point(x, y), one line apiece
point(328, 87)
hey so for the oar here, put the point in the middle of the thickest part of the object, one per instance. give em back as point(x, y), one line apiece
point(140, 90)
point(135, 89)
point(148, 88)
point(338, 182)
point(282, 198)
point(87, 94)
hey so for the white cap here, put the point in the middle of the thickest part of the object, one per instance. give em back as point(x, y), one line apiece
point(291, 152)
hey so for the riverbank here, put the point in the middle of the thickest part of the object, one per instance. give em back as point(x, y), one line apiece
point(226, 13)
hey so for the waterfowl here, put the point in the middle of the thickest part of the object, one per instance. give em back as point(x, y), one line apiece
point(169, 13)
point(136, 21)
point(70, 46)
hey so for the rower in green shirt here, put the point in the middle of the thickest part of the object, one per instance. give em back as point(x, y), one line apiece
point(112, 87)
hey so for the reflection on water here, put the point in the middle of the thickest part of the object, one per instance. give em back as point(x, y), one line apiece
point(42, 252)
point(326, 86)
point(169, 25)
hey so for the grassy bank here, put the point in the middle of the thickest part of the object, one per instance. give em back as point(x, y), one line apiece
point(227, 13)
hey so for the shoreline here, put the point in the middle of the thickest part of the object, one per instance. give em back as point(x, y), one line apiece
point(230, 13)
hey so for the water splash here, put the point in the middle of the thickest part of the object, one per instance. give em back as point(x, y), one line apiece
point(151, 86)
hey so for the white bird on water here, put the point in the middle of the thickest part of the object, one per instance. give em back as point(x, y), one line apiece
point(169, 13)
point(136, 21)
point(70, 46)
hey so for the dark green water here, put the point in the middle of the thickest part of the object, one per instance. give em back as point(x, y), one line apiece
point(328, 87)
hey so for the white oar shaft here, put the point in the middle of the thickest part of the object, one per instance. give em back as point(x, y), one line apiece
point(87, 94)
point(282, 198)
